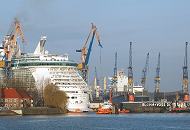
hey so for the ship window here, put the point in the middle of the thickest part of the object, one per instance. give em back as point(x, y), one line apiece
point(72, 97)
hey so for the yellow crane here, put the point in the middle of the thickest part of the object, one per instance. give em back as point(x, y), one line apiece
point(10, 41)
point(10, 46)
point(85, 53)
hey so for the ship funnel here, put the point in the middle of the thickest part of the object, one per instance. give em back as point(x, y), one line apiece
point(40, 49)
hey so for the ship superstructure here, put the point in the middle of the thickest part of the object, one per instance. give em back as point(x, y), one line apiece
point(121, 86)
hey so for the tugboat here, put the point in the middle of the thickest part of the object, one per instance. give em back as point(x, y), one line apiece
point(106, 108)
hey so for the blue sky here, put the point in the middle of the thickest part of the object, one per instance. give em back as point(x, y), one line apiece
point(152, 25)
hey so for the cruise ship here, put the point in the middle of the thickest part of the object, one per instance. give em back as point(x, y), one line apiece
point(42, 68)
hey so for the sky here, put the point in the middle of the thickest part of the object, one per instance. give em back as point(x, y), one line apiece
point(151, 25)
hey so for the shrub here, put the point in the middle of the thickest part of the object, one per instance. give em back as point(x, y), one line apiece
point(53, 97)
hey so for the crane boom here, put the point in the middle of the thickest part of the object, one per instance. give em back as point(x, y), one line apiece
point(144, 72)
point(18, 30)
point(89, 49)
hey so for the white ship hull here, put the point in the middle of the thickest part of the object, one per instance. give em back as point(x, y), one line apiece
point(78, 96)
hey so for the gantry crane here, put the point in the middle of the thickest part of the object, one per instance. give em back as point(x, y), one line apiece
point(185, 77)
point(144, 71)
point(157, 77)
point(130, 76)
point(85, 54)
point(10, 46)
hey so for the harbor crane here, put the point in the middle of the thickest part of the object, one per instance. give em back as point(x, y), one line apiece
point(144, 71)
point(96, 84)
point(157, 77)
point(105, 87)
point(130, 76)
point(185, 77)
point(114, 78)
point(10, 46)
point(85, 53)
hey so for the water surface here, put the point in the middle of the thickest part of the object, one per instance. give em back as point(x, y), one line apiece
point(89, 121)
